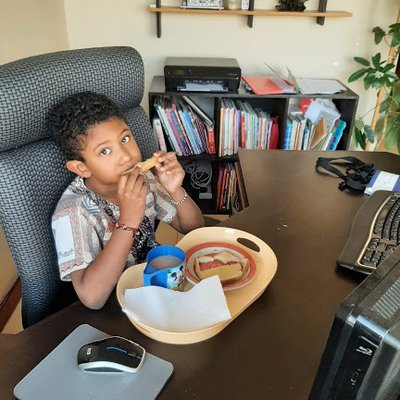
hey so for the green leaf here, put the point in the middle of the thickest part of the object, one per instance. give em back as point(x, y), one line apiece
point(367, 83)
point(369, 133)
point(377, 83)
point(370, 79)
point(385, 105)
point(379, 34)
point(359, 124)
point(395, 41)
point(394, 28)
point(396, 99)
point(392, 75)
point(388, 67)
point(360, 139)
point(376, 60)
point(362, 61)
point(357, 75)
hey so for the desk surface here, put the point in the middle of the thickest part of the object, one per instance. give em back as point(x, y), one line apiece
point(273, 349)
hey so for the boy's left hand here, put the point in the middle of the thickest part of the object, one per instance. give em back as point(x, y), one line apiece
point(168, 170)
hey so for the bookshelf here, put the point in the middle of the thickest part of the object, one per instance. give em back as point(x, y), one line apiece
point(275, 105)
point(319, 14)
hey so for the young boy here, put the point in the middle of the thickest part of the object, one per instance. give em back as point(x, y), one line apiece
point(105, 218)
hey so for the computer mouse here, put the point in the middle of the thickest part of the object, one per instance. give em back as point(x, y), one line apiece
point(112, 354)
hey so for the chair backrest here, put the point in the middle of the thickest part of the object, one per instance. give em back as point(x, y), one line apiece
point(32, 171)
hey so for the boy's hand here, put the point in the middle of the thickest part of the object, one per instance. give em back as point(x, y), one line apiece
point(168, 170)
point(131, 192)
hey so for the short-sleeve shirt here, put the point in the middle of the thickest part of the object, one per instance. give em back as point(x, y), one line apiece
point(83, 223)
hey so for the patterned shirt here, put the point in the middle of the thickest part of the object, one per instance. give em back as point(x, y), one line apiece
point(83, 223)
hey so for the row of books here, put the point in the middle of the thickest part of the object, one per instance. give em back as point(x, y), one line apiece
point(242, 126)
point(302, 134)
point(187, 128)
point(227, 197)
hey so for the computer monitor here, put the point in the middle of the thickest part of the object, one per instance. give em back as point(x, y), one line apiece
point(362, 356)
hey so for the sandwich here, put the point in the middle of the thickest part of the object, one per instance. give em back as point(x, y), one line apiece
point(144, 166)
point(227, 266)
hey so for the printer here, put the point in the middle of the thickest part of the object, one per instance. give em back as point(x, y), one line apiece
point(196, 74)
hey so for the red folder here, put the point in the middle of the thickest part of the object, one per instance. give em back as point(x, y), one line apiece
point(263, 85)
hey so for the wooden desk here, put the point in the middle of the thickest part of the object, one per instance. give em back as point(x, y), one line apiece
point(274, 348)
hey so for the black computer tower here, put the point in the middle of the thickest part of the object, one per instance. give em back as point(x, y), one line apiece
point(362, 356)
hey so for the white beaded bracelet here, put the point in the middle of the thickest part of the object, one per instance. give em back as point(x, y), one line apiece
point(178, 203)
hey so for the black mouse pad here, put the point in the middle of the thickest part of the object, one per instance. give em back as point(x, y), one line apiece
point(58, 376)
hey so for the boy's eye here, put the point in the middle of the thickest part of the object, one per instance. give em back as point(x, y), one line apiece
point(125, 139)
point(105, 152)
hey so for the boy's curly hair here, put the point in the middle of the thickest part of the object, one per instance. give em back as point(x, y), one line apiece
point(71, 119)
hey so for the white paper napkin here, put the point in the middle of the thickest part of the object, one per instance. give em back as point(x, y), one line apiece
point(202, 306)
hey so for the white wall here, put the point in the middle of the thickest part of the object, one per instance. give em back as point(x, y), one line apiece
point(30, 27)
point(27, 27)
point(306, 48)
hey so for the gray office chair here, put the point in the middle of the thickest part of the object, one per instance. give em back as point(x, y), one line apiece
point(32, 172)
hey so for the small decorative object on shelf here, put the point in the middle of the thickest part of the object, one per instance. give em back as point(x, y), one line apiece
point(233, 4)
point(210, 4)
point(291, 5)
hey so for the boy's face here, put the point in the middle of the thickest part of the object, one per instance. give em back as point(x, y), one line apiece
point(108, 150)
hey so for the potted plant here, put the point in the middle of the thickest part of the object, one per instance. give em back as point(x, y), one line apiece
point(379, 74)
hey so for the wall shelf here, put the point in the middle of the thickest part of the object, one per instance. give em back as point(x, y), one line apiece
point(320, 14)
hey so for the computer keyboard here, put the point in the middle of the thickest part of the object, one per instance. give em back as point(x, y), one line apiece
point(374, 233)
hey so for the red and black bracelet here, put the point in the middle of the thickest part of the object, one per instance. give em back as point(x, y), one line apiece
point(124, 227)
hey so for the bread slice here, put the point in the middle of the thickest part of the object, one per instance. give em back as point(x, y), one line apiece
point(144, 166)
point(228, 273)
point(147, 164)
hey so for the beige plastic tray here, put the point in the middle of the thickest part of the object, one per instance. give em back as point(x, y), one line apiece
point(238, 300)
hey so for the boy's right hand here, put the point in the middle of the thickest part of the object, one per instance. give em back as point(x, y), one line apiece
point(131, 192)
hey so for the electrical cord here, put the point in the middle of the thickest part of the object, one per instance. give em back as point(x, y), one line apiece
point(200, 173)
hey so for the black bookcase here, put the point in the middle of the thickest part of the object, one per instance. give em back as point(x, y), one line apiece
point(276, 105)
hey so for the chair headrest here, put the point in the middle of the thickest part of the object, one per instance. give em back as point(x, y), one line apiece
point(30, 87)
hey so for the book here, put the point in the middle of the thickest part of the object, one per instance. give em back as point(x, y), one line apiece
point(337, 132)
point(167, 128)
point(264, 85)
point(274, 134)
point(158, 131)
point(206, 119)
point(319, 86)
point(287, 138)
point(320, 134)
point(210, 139)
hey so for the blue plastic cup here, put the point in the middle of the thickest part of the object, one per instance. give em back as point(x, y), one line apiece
point(165, 267)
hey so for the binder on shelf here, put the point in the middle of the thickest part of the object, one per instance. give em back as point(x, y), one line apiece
point(267, 85)
point(198, 110)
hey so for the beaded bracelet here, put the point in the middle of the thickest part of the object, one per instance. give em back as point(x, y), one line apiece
point(179, 202)
point(126, 228)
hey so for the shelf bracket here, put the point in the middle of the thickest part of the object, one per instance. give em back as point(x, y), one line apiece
point(321, 8)
point(158, 16)
point(250, 18)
